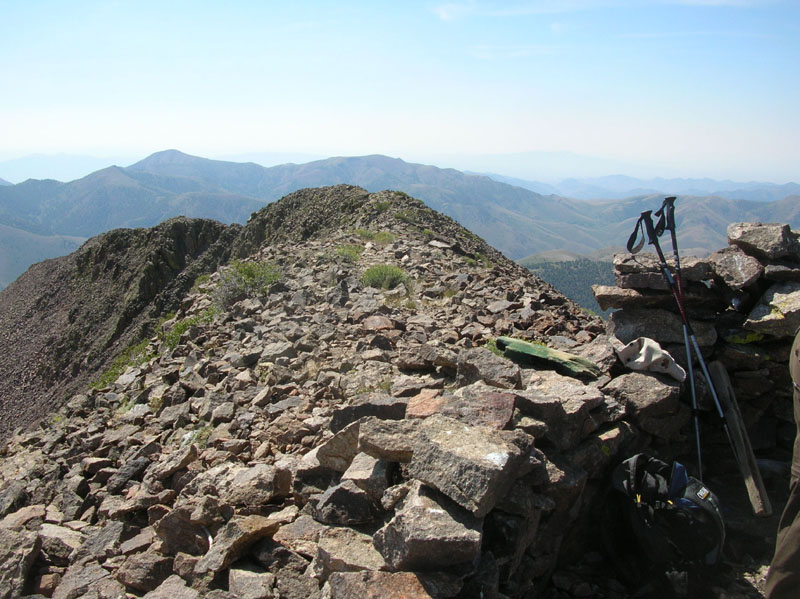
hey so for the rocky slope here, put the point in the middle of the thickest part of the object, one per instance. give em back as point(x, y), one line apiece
point(65, 319)
point(324, 437)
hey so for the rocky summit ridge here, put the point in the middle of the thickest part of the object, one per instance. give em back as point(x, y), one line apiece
point(321, 434)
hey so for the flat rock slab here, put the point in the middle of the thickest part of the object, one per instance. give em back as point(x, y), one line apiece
point(376, 585)
point(380, 405)
point(477, 404)
point(474, 466)
point(145, 571)
point(479, 364)
point(248, 581)
point(79, 580)
point(368, 473)
point(429, 532)
point(692, 268)
point(764, 240)
point(345, 550)
point(777, 312)
point(664, 327)
point(389, 440)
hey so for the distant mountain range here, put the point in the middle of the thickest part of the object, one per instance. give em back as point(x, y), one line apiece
point(620, 186)
point(4, 182)
point(517, 221)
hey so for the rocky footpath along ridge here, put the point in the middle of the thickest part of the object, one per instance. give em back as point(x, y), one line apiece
point(327, 438)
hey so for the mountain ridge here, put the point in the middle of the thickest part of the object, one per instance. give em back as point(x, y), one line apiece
point(517, 221)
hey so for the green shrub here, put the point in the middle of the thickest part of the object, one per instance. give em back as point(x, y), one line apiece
point(381, 206)
point(200, 282)
point(364, 234)
point(384, 276)
point(383, 237)
point(173, 336)
point(135, 355)
point(245, 279)
point(349, 252)
point(406, 216)
point(428, 233)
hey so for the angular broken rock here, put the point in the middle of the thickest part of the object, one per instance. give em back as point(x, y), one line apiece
point(238, 534)
point(474, 466)
point(368, 473)
point(58, 542)
point(80, 579)
point(652, 400)
point(663, 326)
point(777, 312)
point(129, 471)
point(344, 550)
point(171, 463)
point(429, 532)
point(258, 485)
point(18, 551)
point(477, 404)
point(390, 440)
point(301, 535)
point(103, 543)
point(345, 504)
point(248, 581)
point(375, 585)
point(378, 404)
point(145, 571)
point(337, 452)
point(764, 240)
point(479, 364)
point(173, 588)
point(736, 268)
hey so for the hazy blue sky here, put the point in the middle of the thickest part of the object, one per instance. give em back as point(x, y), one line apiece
point(689, 88)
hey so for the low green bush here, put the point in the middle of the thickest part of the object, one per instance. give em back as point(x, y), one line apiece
point(135, 355)
point(245, 279)
point(384, 276)
point(349, 252)
point(173, 336)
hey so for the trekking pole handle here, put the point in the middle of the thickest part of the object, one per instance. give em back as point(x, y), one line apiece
point(647, 219)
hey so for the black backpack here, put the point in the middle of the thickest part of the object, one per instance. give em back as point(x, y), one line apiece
point(657, 519)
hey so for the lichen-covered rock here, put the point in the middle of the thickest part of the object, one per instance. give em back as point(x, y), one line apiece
point(473, 466)
point(735, 268)
point(765, 240)
point(777, 312)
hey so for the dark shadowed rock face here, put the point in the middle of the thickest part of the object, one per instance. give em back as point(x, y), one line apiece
point(63, 321)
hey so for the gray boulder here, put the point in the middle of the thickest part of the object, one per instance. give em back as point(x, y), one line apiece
point(18, 551)
point(474, 466)
point(764, 240)
point(735, 268)
point(777, 312)
point(429, 532)
point(479, 364)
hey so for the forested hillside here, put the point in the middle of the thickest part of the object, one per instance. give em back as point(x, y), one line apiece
point(574, 278)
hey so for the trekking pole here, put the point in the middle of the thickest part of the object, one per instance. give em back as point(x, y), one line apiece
point(646, 222)
point(666, 221)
